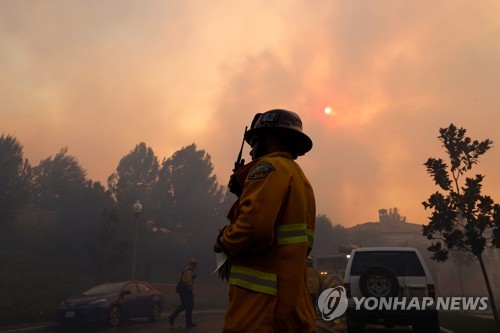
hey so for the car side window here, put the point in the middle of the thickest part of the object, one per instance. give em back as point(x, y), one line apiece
point(132, 287)
point(144, 287)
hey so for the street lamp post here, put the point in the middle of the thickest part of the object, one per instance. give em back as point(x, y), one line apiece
point(137, 208)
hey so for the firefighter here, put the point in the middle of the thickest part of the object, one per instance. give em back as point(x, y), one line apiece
point(271, 231)
point(185, 288)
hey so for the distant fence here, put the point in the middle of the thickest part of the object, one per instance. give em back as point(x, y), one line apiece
point(207, 297)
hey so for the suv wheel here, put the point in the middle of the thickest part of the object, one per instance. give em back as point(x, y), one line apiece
point(378, 282)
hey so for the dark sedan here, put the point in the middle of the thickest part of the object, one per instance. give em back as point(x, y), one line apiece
point(112, 303)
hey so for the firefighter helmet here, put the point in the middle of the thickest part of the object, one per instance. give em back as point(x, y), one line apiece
point(286, 122)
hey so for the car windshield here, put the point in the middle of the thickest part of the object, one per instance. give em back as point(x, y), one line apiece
point(108, 288)
point(400, 263)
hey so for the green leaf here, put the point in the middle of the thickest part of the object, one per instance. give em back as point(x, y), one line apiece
point(437, 169)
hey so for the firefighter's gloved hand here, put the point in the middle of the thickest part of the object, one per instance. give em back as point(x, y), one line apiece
point(218, 248)
point(234, 186)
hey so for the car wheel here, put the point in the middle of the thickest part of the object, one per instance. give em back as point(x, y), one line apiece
point(155, 312)
point(378, 282)
point(114, 315)
point(353, 325)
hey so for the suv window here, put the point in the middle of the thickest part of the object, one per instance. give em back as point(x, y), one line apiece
point(400, 263)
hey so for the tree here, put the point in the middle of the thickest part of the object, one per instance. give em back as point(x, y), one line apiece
point(193, 203)
point(391, 216)
point(108, 253)
point(134, 178)
point(323, 236)
point(462, 218)
point(192, 191)
point(15, 179)
point(59, 183)
point(328, 237)
point(61, 187)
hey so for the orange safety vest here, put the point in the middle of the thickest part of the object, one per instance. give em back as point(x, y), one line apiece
point(268, 243)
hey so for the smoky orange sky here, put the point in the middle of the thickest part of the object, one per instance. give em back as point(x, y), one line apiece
point(100, 77)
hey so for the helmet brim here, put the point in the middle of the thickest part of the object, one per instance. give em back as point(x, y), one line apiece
point(301, 140)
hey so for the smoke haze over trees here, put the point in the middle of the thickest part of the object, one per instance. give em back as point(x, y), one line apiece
point(61, 232)
point(62, 222)
point(86, 225)
point(83, 222)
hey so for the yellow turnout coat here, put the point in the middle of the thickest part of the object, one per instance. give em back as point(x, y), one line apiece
point(268, 242)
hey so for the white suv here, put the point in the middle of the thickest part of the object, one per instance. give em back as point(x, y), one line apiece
point(389, 274)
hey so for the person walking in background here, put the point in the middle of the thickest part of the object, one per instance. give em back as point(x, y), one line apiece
point(314, 283)
point(185, 289)
point(271, 231)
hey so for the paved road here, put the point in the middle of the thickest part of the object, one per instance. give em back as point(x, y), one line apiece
point(207, 321)
point(340, 327)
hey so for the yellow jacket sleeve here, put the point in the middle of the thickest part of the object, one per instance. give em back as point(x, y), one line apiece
point(264, 191)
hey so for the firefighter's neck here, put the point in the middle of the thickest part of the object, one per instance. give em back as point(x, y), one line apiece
point(266, 145)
